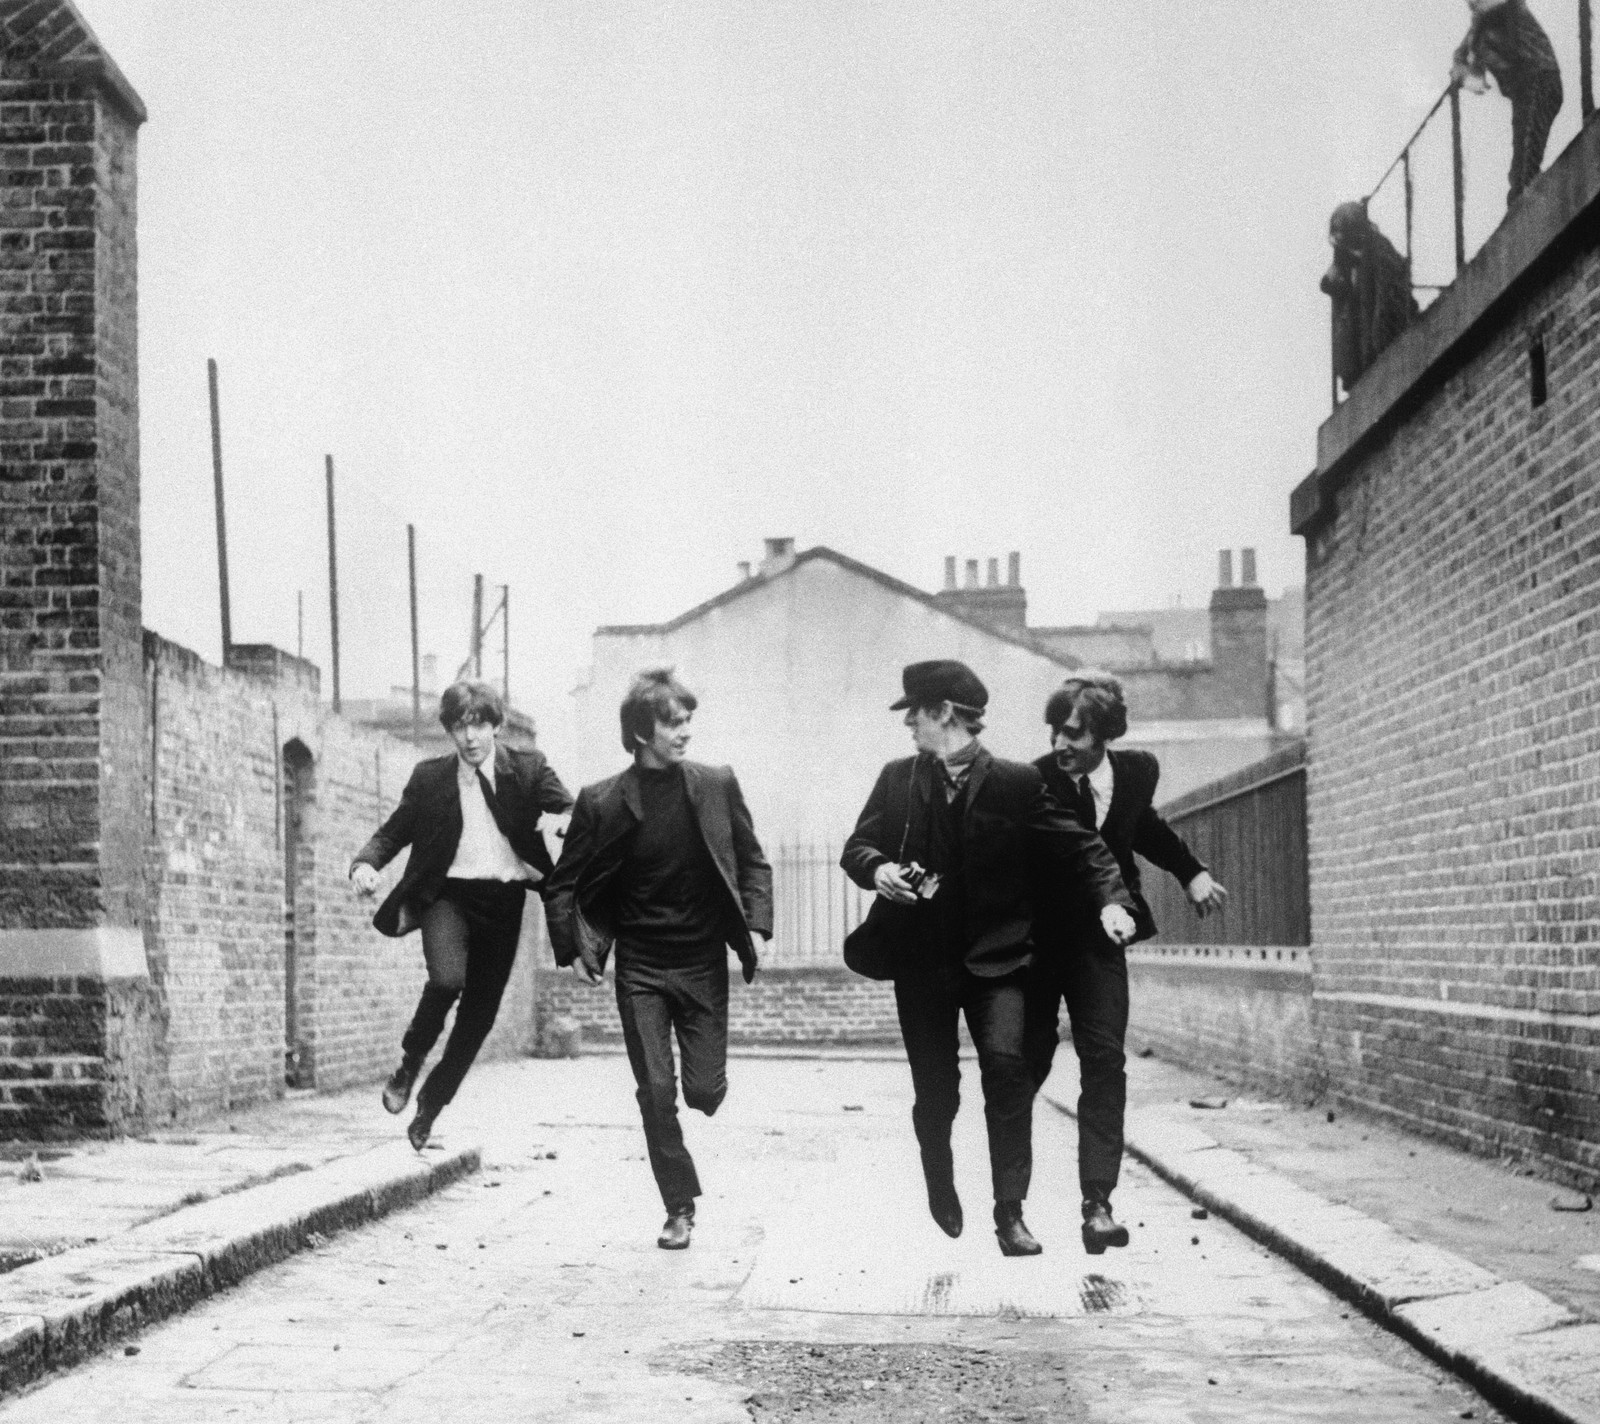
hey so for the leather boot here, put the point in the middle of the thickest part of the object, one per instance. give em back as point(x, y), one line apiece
point(1015, 1239)
point(421, 1126)
point(680, 1222)
point(945, 1207)
point(397, 1091)
point(1099, 1230)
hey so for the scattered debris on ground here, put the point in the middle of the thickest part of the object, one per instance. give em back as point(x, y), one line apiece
point(889, 1384)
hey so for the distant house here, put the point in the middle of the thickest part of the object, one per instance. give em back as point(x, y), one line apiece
point(797, 663)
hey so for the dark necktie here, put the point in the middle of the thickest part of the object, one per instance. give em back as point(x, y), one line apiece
point(1085, 802)
point(492, 802)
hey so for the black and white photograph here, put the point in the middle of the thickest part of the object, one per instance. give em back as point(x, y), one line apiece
point(839, 711)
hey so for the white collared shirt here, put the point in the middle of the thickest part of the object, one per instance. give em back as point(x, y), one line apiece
point(1102, 785)
point(483, 853)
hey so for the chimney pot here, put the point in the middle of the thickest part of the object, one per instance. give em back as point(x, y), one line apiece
point(994, 573)
point(1225, 568)
point(949, 572)
point(1247, 567)
point(744, 570)
point(972, 573)
point(1014, 570)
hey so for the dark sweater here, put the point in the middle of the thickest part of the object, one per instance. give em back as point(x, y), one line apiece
point(669, 895)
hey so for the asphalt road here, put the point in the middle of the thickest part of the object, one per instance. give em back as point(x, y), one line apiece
point(816, 1288)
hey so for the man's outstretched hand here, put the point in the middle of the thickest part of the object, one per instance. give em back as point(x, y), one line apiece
point(1118, 924)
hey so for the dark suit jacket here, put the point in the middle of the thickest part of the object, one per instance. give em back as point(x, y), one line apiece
point(579, 900)
point(428, 819)
point(1013, 833)
point(1132, 825)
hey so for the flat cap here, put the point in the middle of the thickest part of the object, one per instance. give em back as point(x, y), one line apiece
point(942, 680)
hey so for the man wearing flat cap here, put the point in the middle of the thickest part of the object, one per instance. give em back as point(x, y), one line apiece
point(954, 840)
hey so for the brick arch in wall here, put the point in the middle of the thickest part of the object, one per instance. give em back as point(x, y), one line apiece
point(298, 769)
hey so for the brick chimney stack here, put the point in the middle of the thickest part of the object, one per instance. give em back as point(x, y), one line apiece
point(1002, 606)
point(1239, 637)
point(779, 556)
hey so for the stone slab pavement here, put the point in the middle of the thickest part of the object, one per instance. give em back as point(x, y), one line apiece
point(816, 1288)
point(100, 1238)
point(1492, 1271)
point(1458, 1255)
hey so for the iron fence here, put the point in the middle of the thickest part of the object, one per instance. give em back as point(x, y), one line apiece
point(815, 905)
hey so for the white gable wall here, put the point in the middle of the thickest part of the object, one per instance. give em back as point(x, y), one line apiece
point(795, 678)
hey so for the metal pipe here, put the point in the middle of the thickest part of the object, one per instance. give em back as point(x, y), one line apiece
point(1586, 58)
point(222, 517)
point(477, 626)
point(333, 585)
point(1406, 168)
point(1457, 173)
point(416, 655)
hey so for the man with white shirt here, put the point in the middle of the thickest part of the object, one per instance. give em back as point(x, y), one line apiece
point(472, 822)
point(1110, 792)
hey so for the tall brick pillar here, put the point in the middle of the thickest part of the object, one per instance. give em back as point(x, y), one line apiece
point(73, 762)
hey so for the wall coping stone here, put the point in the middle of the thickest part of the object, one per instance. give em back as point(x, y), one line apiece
point(1555, 216)
point(59, 44)
point(99, 952)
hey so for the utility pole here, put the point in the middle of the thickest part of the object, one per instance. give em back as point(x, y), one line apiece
point(1458, 172)
point(333, 584)
point(477, 626)
point(300, 623)
point(505, 642)
point(416, 658)
point(222, 517)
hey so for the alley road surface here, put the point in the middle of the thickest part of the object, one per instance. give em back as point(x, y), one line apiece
point(816, 1288)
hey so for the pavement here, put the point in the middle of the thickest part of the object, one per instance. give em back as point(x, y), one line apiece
point(1486, 1267)
point(1464, 1258)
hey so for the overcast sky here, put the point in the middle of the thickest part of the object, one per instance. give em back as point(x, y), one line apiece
point(599, 293)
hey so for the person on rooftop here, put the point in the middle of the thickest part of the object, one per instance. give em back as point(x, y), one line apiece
point(1505, 41)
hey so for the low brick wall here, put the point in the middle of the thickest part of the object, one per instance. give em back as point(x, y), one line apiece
point(786, 1005)
point(1242, 1012)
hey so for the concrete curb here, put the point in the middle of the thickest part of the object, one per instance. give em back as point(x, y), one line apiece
point(56, 1311)
point(1529, 1355)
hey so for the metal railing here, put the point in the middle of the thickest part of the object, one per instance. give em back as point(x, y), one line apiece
point(815, 905)
point(1451, 95)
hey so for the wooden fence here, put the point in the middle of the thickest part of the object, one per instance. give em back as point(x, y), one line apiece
point(1250, 829)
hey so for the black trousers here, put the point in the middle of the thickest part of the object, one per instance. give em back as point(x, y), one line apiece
point(1091, 973)
point(1533, 114)
point(661, 993)
point(469, 940)
point(929, 1009)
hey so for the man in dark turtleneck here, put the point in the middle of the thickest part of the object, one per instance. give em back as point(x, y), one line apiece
point(662, 861)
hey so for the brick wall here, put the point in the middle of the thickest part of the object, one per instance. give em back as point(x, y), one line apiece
point(70, 758)
point(810, 1004)
point(1241, 1012)
point(1453, 683)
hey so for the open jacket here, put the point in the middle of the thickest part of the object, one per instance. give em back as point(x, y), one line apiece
point(1132, 825)
point(580, 898)
point(428, 819)
point(1014, 837)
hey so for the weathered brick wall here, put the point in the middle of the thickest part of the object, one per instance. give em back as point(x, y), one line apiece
point(794, 1005)
point(1453, 671)
point(1241, 1012)
point(69, 552)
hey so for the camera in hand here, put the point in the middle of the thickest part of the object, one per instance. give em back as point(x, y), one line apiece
point(924, 882)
